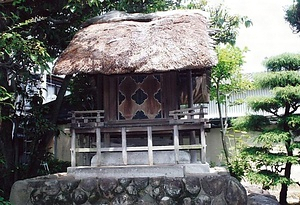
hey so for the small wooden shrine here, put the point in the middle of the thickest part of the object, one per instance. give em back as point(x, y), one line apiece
point(153, 76)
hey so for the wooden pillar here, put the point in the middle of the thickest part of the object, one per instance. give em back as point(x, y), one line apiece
point(98, 145)
point(203, 143)
point(150, 145)
point(99, 92)
point(190, 105)
point(190, 89)
point(202, 137)
point(176, 143)
point(106, 140)
point(73, 148)
point(124, 146)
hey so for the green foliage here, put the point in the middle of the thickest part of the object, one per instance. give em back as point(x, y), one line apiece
point(201, 4)
point(29, 52)
point(262, 103)
point(288, 97)
point(272, 137)
point(32, 35)
point(267, 163)
point(292, 15)
point(54, 165)
point(226, 75)
point(283, 62)
point(4, 202)
point(5, 97)
point(266, 178)
point(226, 25)
point(226, 79)
point(285, 87)
point(237, 166)
point(293, 122)
point(251, 122)
point(261, 158)
point(83, 92)
point(147, 6)
point(277, 79)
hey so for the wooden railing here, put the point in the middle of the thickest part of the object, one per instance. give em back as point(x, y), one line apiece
point(189, 119)
point(87, 119)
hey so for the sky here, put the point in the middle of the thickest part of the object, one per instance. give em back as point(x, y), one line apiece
point(269, 35)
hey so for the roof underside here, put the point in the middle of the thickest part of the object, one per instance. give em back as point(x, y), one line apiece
point(119, 43)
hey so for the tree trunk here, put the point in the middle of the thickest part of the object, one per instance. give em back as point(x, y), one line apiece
point(8, 152)
point(42, 147)
point(284, 187)
point(7, 149)
point(223, 132)
point(59, 98)
point(287, 174)
point(57, 105)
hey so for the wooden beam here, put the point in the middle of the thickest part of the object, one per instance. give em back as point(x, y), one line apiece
point(140, 148)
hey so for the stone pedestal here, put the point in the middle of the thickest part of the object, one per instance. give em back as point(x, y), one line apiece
point(137, 171)
point(206, 188)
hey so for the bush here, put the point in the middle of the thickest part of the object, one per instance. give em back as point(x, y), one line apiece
point(54, 165)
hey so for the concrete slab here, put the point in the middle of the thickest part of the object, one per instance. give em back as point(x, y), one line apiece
point(141, 158)
point(127, 171)
point(194, 169)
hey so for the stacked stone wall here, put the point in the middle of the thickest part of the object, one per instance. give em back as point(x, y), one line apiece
point(205, 189)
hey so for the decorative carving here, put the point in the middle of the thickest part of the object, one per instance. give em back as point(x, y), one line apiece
point(139, 97)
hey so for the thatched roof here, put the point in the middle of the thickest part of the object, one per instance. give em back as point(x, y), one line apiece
point(118, 43)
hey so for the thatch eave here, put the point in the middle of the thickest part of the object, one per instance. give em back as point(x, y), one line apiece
point(160, 42)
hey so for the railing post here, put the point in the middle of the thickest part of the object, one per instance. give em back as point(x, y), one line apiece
point(73, 148)
point(150, 145)
point(176, 143)
point(203, 143)
point(124, 146)
point(98, 145)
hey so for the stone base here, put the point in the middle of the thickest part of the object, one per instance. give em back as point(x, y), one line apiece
point(179, 170)
point(141, 158)
point(206, 188)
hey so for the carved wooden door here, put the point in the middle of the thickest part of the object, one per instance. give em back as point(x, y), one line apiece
point(139, 97)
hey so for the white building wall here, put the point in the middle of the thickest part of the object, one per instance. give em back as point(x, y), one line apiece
point(236, 110)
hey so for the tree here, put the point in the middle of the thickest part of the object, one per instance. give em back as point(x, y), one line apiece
point(227, 79)
point(292, 15)
point(265, 162)
point(226, 76)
